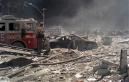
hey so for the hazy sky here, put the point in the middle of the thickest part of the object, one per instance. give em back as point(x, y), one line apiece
point(83, 14)
point(87, 14)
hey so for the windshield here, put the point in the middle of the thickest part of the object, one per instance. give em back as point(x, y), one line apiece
point(29, 26)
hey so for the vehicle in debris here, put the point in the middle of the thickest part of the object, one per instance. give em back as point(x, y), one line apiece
point(73, 41)
point(11, 31)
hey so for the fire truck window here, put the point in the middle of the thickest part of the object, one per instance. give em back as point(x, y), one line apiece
point(17, 26)
point(29, 26)
point(2, 26)
point(13, 27)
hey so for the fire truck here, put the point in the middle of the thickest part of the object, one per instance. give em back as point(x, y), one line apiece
point(11, 31)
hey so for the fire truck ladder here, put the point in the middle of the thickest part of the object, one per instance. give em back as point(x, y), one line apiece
point(15, 49)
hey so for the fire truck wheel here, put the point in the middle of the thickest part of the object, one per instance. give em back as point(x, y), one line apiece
point(18, 44)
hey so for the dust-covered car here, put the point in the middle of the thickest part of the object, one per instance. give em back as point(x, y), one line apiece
point(73, 42)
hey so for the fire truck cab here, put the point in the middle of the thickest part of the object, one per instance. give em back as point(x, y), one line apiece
point(18, 32)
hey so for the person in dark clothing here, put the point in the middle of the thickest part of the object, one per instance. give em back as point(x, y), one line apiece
point(42, 42)
point(23, 30)
point(40, 37)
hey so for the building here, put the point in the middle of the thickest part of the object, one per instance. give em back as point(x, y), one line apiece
point(11, 7)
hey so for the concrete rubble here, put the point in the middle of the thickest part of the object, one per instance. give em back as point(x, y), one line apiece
point(64, 65)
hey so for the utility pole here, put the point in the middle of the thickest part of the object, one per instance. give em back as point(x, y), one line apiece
point(41, 12)
point(44, 17)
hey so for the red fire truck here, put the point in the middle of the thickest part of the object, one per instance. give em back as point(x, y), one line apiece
point(11, 31)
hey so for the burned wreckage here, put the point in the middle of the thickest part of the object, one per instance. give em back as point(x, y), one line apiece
point(73, 41)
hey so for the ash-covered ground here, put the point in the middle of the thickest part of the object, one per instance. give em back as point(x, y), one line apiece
point(68, 65)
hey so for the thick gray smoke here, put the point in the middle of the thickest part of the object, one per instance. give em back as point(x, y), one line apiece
point(81, 15)
point(97, 14)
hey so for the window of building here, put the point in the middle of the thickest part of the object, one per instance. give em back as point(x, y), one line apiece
point(2, 26)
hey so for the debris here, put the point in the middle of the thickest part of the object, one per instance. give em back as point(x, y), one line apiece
point(79, 81)
point(58, 62)
point(91, 79)
point(78, 75)
point(103, 72)
point(68, 65)
point(73, 41)
point(35, 59)
point(37, 74)
point(107, 40)
point(15, 73)
point(15, 51)
point(124, 41)
point(18, 62)
point(123, 62)
point(4, 79)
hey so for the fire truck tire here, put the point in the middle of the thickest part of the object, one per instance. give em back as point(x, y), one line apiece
point(19, 44)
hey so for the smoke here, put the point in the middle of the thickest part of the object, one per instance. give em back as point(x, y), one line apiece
point(82, 15)
point(91, 14)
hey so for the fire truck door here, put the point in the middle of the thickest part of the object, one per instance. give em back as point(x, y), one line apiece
point(2, 33)
point(13, 32)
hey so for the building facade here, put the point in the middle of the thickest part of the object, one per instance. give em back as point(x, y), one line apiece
point(11, 7)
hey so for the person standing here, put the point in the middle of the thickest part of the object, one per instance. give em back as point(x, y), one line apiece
point(40, 37)
point(42, 41)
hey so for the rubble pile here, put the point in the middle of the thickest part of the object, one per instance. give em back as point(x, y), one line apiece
point(67, 65)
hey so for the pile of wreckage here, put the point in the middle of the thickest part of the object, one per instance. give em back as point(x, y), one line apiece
point(86, 61)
